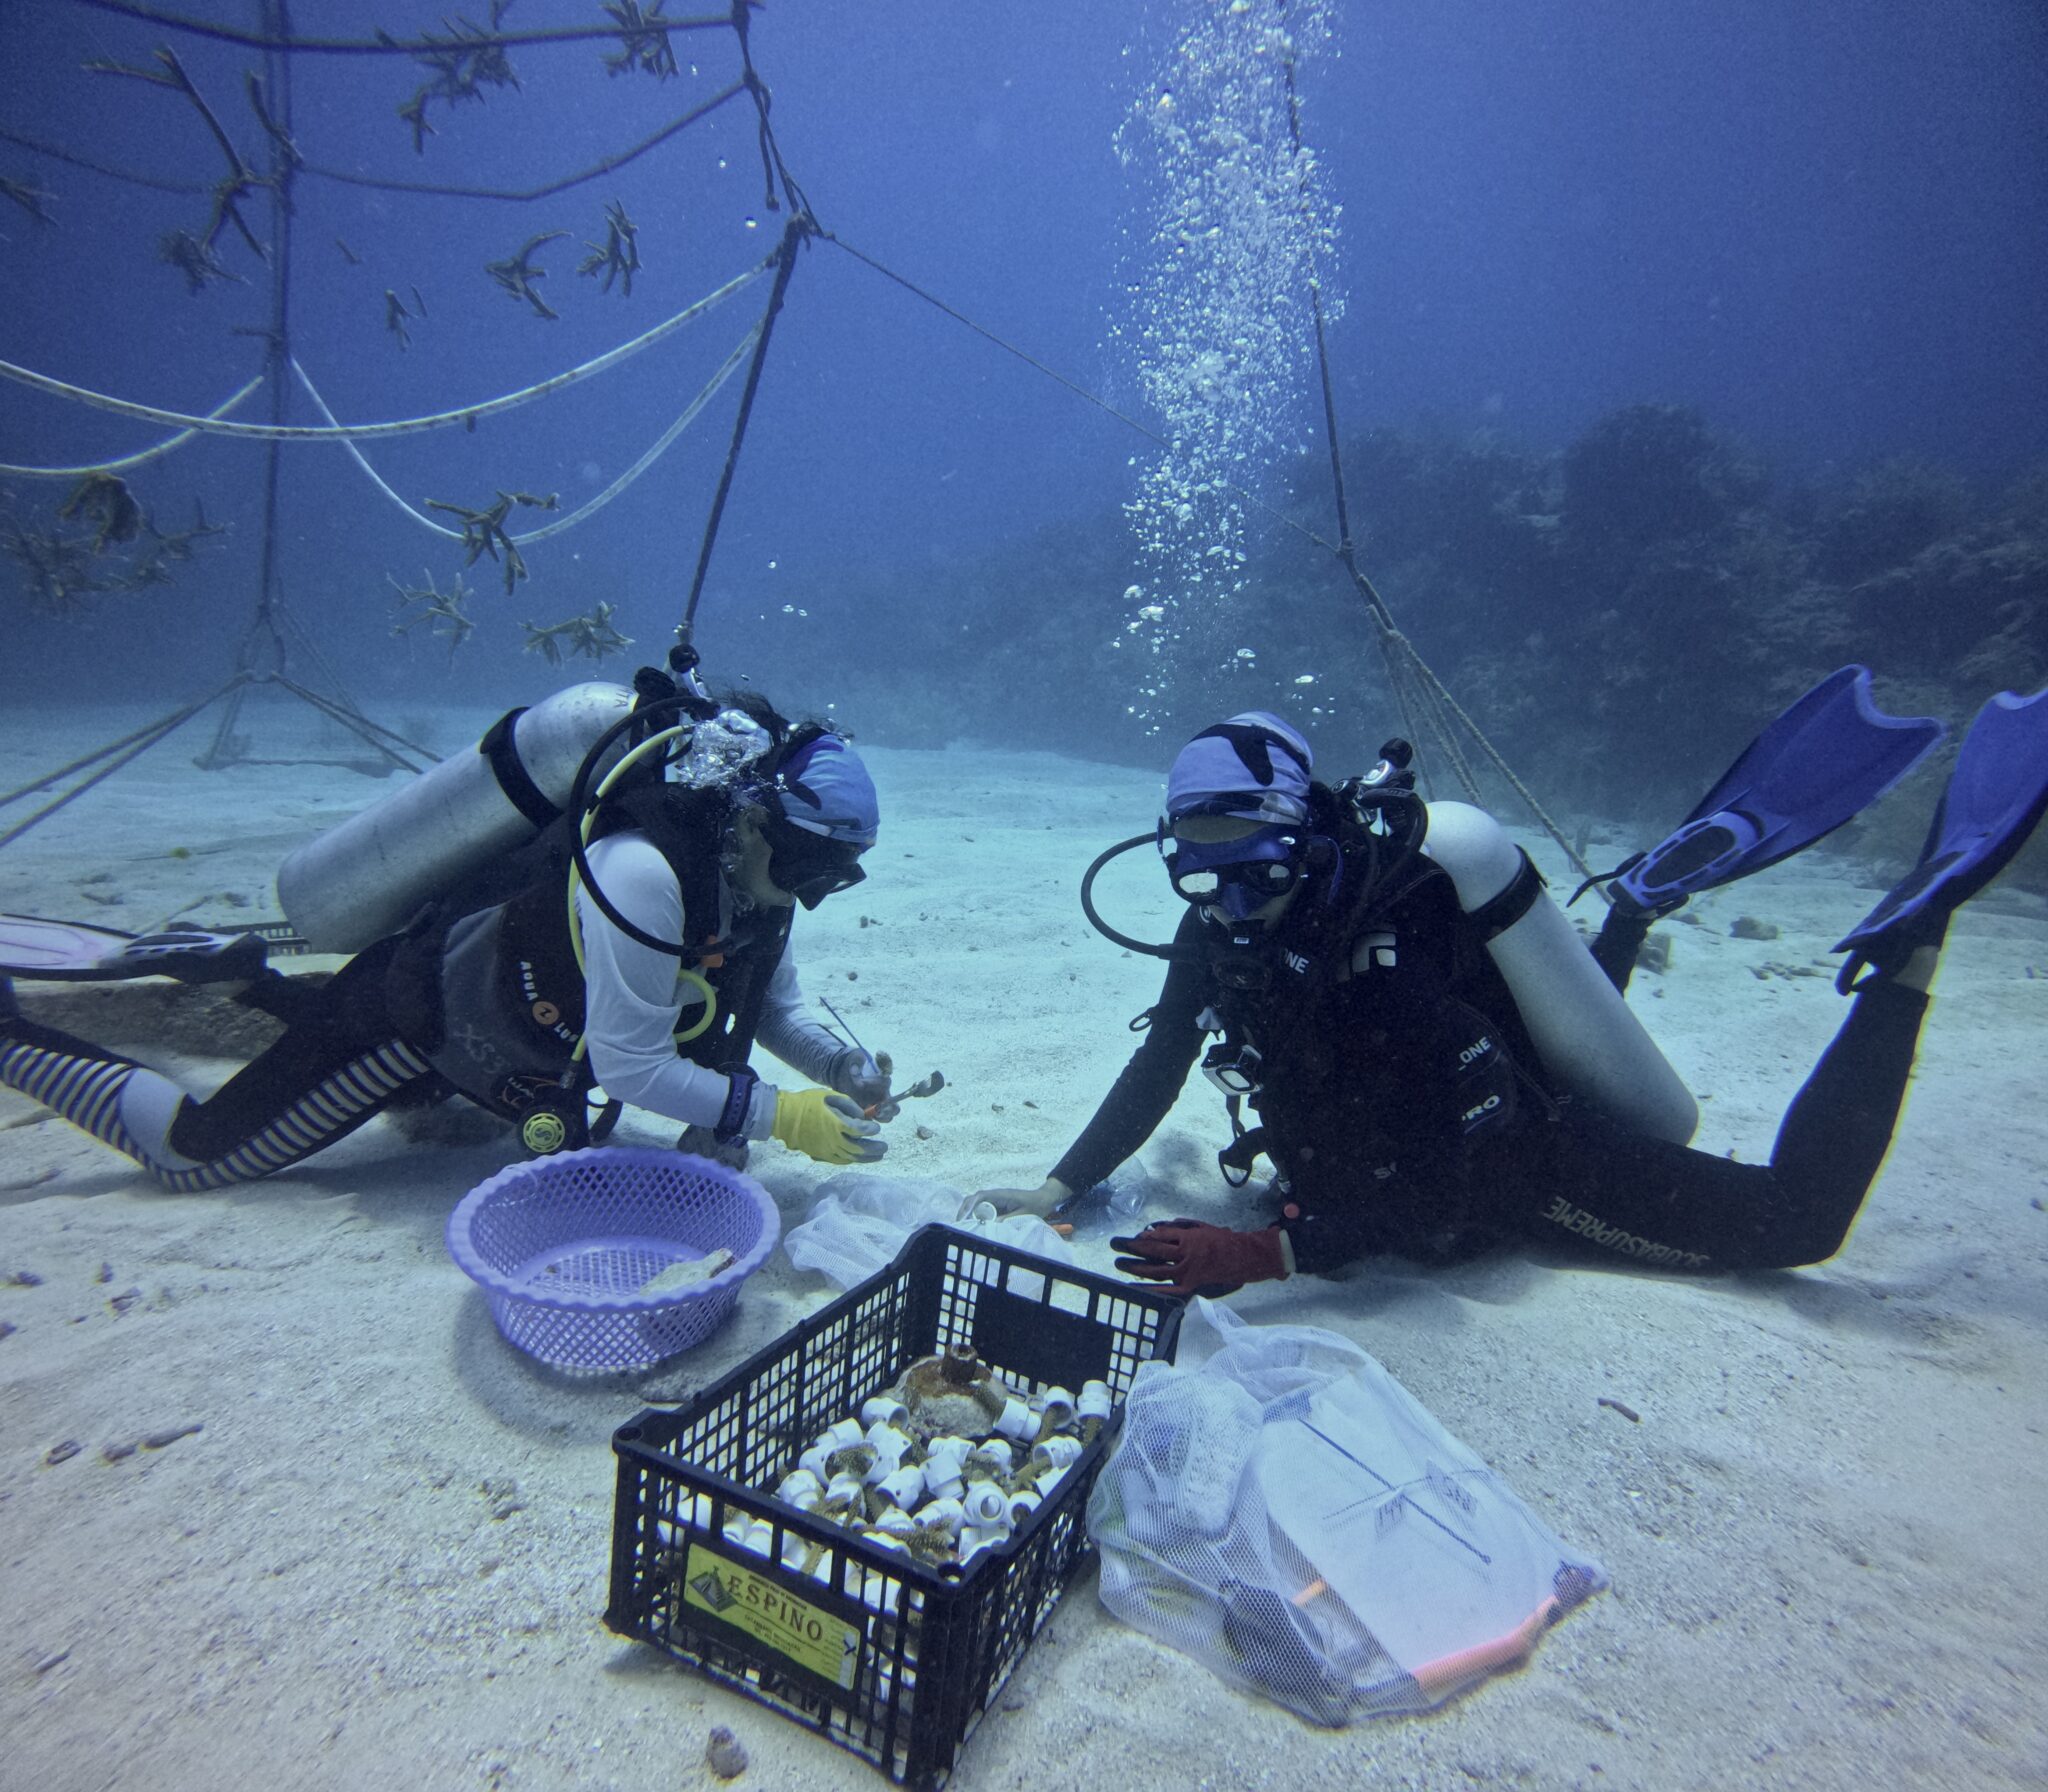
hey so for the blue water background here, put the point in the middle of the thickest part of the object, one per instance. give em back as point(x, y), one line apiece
point(1824, 227)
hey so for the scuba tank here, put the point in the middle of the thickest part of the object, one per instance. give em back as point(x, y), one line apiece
point(1588, 1038)
point(370, 875)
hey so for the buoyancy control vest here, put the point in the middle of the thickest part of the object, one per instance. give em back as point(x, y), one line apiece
point(487, 984)
point(1380, 1049)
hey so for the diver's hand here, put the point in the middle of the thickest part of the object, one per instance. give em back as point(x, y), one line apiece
point(864, 1079)
point(1191, 1257)
point(1042, 1200)
point(826, 1126)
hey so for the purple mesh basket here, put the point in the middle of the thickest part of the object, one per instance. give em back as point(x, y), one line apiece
point(563, 1246)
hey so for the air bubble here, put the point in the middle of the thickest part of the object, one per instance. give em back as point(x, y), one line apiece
point(1216, 322)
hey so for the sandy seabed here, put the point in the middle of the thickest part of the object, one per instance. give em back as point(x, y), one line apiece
point(382, 1559)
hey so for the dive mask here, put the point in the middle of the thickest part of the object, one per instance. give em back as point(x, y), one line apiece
point(1237, 876)
point(810, 866)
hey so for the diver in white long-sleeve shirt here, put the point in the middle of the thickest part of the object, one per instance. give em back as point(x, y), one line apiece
point(678, 963)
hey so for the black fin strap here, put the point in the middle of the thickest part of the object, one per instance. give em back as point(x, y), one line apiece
point(1497, 914)
point(513, 779)
point(1235, 1159)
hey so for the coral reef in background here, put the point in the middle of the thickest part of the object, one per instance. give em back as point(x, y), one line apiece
point(1620, 616)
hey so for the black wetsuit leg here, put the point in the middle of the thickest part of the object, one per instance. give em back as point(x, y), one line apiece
point(1591, 1179)
point(340, 1061)
point(336, 1066)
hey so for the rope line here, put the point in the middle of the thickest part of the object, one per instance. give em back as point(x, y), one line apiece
point(390, 46)
point(110, 759)
point(376, 183)
point(37, 147)
point(1435, 696)
point(794, 232)
point(1074, 386)
point(132, 460)
point(362, 432)
point(595, 172)
point(710, 390)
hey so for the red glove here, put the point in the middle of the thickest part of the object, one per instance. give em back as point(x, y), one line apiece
point(1196, 1258)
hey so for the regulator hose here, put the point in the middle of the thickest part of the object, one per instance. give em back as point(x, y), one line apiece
point(1103, 927)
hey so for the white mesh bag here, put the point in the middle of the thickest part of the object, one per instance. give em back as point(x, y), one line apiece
point(1283, 1510)
point(863, 1218)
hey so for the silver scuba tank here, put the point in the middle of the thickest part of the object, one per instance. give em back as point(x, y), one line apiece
point(370, 875)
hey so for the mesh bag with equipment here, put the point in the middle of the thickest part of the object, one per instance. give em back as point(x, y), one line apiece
point(1283, 1510)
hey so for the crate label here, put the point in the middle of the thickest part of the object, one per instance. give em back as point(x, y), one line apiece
point(768, 1612)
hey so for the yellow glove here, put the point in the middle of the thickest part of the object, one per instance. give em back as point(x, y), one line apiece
point(826, 1127)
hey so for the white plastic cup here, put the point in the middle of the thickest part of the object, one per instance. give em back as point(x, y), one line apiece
point(889, 1446)
point(1057, 1452)
point(950, 1450)
point(882, 1409)
point(799, 1480)
point(973, 1540)
point(997, 1456)
point(1017, 1420)
point(903, 1486)
point(987, 1505)
point(843, 1490)
point(1095, 1401)
point(1056, 1405)
point(947, 1512)
point(877, 1591)
point(843, 1434)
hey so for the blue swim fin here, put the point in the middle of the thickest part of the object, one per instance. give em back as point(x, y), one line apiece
point(1831, 754)
point(1995, 799)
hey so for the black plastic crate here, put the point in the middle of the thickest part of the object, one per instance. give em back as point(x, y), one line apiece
point(885, 1656)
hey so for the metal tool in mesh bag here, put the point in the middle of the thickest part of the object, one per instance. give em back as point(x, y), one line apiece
point(579, 1252)
point(1280, 1508)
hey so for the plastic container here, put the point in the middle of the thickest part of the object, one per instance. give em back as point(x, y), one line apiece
point(564, 1247)
point(890, 1658)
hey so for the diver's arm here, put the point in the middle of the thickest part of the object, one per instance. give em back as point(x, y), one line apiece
point(791, 1034)
point(632, 1000)
point(1149, 1083)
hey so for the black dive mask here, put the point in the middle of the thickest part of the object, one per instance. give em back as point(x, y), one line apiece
point(810, 866)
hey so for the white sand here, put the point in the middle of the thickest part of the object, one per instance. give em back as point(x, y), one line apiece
point(383, 1559)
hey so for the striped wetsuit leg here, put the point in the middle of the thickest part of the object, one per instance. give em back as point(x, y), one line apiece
point(338, 1063)
point(148, 1117)
point(309, 1121)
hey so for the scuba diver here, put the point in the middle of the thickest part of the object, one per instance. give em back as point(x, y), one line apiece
point(1434, 1060)
point(638, 943)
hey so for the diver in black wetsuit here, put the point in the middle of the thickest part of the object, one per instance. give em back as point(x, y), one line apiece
point(1434, 1062)
point(492, 994)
